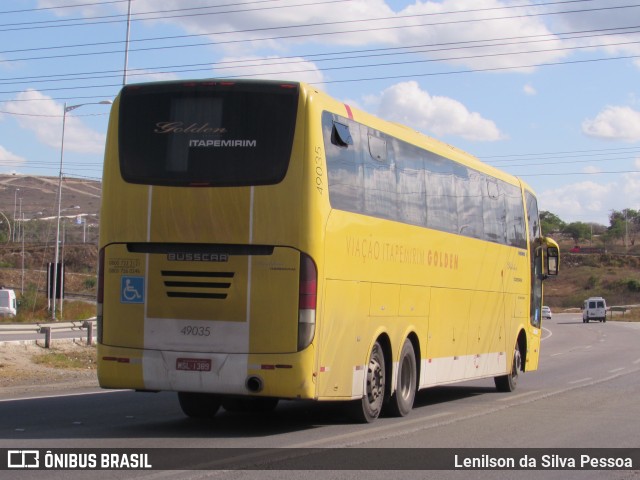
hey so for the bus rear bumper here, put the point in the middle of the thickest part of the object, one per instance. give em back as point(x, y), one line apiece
point(272, 375)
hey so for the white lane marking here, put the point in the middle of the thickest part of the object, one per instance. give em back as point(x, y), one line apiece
point(512, 397)
point(587, 379)
point(369, 431)
point(61, 395)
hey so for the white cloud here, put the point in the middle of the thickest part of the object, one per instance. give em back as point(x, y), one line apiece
point(457, 32)
point(141, 75)
point(591, 200)
point(9, 161)
point(614, 123)
point(294, 69)
point(528, 89)
point(408, 104)
point(43, 116)
point(468, 33)
point(608, 21)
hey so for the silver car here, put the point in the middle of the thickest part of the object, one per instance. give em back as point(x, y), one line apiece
point(546, 312)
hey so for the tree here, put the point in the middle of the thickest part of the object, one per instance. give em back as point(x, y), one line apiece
point(550, 222)
point(577, 231)
point(624, 224)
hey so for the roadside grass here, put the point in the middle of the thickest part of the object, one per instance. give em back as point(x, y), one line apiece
point(80, 358)
point(618, 284)
point(632, 315)
point(33, 307)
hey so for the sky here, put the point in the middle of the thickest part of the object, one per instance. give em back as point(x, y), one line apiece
point(546, 90)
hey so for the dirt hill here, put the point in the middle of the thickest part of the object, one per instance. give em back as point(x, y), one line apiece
point(28, 224)
point(37, 197)
point(614, 277)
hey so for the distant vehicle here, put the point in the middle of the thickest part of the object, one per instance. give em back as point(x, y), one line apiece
point(8, 303)
point(595, 308)
point(579, 249)
point(546, 312)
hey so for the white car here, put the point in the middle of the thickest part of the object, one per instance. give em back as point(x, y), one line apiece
point(546, 312)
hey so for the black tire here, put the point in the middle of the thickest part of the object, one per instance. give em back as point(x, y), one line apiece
point(199, 405)
point(250, 404)
point(401, 402)
point(368, 408)
point(508, 383)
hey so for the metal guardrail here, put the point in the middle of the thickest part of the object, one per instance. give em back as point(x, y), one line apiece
point(47, 329)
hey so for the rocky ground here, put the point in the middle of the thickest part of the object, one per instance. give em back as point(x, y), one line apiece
point(30, 368)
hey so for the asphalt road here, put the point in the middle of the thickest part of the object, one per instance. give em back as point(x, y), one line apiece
point(584, 395)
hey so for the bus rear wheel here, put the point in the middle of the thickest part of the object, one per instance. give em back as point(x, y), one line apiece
point(401, 402)
point(199, 405)
point(367, 409)
point(508, 383)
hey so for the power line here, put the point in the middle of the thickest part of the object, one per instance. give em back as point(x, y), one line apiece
point(387, 64)
point(175, 37)
point(349, 80)
point(350, 55)
point(472, 70)
point(60, 7)
point(122, 18)
point(570, 162)
point(286, 27)
point(52, 116)
point(561, 155)
point(562, 152)
point(575, 173)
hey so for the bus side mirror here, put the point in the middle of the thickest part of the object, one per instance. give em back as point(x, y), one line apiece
point(553, 257)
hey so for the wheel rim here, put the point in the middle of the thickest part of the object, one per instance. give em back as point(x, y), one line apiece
point(375, 380)
point(517, 364)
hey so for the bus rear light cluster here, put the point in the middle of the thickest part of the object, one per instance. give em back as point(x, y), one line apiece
point(308, 298)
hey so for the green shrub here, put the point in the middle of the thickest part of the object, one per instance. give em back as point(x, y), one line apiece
point(633, 285)
point(591, 283)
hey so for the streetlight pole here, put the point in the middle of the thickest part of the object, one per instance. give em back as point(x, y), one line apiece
point(15, 220)
point(67, 108)
point(126, 46)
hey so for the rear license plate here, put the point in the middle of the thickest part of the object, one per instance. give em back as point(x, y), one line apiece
point(193, 364)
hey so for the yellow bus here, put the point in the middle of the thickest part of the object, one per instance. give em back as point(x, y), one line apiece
point(261, 240)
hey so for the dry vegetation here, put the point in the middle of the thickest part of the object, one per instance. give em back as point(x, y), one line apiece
point(614, 277)
point(30, 367)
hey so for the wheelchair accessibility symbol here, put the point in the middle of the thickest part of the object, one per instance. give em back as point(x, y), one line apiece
point(132, 290)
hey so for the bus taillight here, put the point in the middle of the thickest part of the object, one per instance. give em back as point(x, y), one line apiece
point(307, 301)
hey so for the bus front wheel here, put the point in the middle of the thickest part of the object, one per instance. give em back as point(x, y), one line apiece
point(401, 402)
point(508, 383)
point(367, 409)
point(199, 405)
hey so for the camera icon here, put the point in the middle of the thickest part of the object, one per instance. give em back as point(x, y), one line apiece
point(23, 459)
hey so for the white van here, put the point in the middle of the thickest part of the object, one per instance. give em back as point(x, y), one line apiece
point(8, 304)
point(595, 308)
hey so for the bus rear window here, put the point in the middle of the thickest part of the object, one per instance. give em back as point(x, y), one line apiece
point(206, 133)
